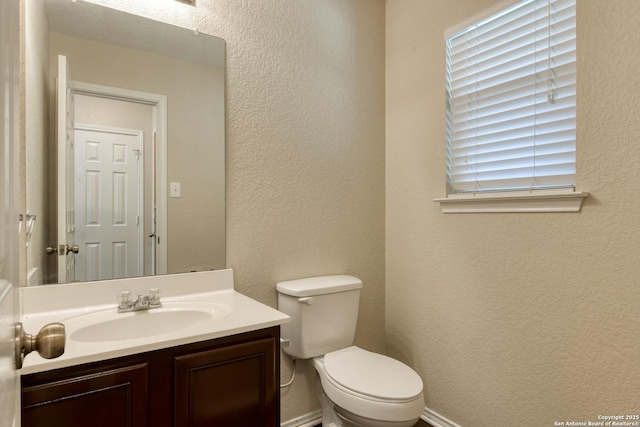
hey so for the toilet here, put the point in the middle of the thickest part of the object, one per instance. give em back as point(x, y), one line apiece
point(356, 387)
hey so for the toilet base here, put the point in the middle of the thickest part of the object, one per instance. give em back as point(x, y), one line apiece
point(329, 416)
point(353, 420)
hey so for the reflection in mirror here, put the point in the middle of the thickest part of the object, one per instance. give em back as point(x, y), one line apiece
point(140, 137)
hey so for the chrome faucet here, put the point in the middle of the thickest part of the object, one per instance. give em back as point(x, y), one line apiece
point(142, 302)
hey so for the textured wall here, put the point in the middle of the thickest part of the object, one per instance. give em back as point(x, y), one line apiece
point(516, 319)
point(305, 153)
point(305, 146)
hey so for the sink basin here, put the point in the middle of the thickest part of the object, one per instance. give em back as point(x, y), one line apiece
point(172, 317)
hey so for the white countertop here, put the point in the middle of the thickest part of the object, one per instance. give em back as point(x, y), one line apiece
point(56, 303)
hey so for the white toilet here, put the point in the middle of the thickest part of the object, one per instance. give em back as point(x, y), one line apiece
point(358, 387)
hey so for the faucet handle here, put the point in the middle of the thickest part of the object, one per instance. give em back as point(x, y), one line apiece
point(124, 299)
point(154, 297)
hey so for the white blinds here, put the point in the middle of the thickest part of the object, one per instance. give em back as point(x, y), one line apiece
point(511, 99)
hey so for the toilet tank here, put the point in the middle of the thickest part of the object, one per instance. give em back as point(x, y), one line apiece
point(323, 311)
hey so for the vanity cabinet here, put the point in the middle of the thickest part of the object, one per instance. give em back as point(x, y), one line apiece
point(232, 381)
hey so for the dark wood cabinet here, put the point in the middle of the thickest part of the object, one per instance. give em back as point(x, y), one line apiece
point(113, 397)
point(232, 381)
point(199, 397)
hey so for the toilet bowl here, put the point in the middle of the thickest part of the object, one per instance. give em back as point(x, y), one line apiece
point(369, 389)
point(356, 387)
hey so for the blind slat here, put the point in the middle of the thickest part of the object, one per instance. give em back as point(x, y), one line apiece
point(518, 92)
point(510, 74)
point(494, 113)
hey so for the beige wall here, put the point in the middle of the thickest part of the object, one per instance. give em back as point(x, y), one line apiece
point(305, 148)
point(515, 319)
point(305, 153)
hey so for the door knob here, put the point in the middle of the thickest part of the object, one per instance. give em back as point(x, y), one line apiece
point(49, 343)
point(62, 249)
point(75, 249)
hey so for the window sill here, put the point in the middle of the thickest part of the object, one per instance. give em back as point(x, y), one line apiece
point(517, 201)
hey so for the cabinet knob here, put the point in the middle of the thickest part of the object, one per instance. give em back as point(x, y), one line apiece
point(49, 343)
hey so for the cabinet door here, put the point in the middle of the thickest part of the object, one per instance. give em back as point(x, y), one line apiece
point(228, 386)
point(112, 398)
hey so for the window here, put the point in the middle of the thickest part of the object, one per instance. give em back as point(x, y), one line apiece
point(511, 100)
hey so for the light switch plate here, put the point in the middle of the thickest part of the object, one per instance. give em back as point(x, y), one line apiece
point(175, 189)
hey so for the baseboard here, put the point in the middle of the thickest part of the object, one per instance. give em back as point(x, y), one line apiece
point(315, 418)
point(308, 420)
point(437, 420)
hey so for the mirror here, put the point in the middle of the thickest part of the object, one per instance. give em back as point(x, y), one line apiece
point(143, 125)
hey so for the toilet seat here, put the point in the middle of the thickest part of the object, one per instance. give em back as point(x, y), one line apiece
point(354, 380)
point(372, 375)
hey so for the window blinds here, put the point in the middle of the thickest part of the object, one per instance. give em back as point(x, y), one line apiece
point(511, 99)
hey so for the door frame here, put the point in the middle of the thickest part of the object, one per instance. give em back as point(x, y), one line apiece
point(159, 113)
point(12, 166)
point(65, 153)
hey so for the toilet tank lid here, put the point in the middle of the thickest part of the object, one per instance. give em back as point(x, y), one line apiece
point(319, 285)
